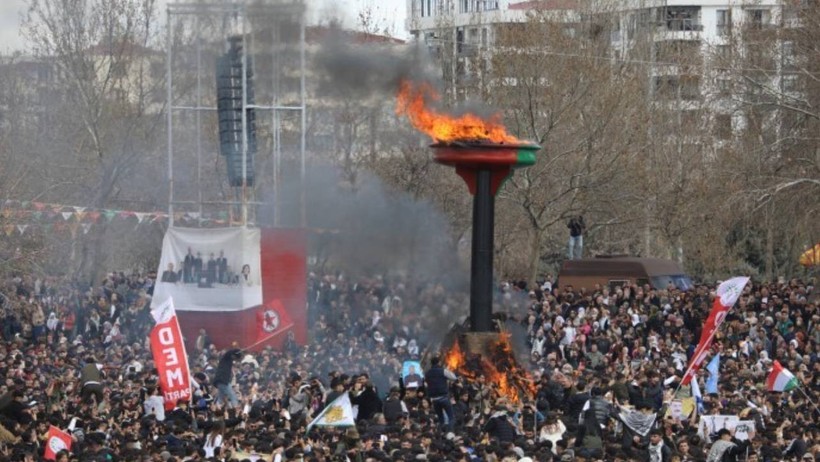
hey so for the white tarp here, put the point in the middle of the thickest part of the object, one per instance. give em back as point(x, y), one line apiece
point(210, 269)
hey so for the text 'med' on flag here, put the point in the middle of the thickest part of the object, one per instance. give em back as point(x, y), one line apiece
point(271, 319)
point(339, 413)
point(780, 379)
point(56, 441)
point(169, 354)
point(727, 294)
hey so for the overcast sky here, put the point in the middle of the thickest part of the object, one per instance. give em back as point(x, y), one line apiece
point(389, 13)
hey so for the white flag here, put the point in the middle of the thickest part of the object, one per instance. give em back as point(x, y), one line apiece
point(339, 413)
point(697, 394)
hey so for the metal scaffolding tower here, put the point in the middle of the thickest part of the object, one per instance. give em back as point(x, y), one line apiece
point(272, 34)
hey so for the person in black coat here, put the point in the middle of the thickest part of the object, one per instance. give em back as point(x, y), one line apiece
point(16, 409)
point(575, 404)
point(224, 377)
point(438, 379)
point(728, 448)
point(364, 395)
point(500, 426)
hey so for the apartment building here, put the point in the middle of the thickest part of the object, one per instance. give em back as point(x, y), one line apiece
point(460, 34)
point(694, 51)
point(689, 48)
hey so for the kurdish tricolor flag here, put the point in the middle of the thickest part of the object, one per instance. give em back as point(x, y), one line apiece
point(780, 379)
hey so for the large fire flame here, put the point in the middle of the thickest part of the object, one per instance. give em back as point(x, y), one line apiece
point(501, 369)
point(413, 102)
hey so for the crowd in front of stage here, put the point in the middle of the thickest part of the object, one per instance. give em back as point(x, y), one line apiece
point(606, 365)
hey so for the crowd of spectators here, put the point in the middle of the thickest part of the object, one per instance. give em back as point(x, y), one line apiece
point(595, 355)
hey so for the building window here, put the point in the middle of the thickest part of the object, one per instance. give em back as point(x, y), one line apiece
point(759, 18)
point(791, 83)
point(788, 53)
point(473, 6)
point(427, 8)
point(724, 86)
point(690, 120)
point(723, 126)
point(683, 18)
point(690, 87)
point(724, 22)
point(723, 53)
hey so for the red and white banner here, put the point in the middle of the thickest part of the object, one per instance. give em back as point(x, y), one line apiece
point(271, 319)
point(56, 441)
point(727, 294)
point(170, 358)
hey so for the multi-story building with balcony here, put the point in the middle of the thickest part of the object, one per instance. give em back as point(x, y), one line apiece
point(459, 33)
point(696, 50)
point(690, 49)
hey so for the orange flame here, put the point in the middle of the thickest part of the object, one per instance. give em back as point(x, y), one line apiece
point(413, 103)
point(502, 370)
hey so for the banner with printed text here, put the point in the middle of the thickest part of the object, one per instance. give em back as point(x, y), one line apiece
point(169, 354)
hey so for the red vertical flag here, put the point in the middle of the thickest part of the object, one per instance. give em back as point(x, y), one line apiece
point(56, 441)
point(727, 294)
point(271, 319)
point(169, 355)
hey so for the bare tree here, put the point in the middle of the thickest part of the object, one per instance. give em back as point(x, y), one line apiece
point(588, 113)
point(772, 65)
point(111, 109)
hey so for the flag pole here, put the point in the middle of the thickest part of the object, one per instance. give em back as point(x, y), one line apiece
point(809, 399)
point(266, 338)
point(691, 362)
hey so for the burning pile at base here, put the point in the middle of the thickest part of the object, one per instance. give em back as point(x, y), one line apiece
point(484, 154)
point(490, 355)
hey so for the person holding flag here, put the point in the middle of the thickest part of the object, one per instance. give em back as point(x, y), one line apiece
point(223, 379)
point(58, 442)
point(170, 358)
point(726, 295)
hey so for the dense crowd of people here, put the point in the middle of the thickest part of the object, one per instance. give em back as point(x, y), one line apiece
point(605, 364)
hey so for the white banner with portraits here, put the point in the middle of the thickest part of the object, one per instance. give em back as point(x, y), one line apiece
point(210, 269)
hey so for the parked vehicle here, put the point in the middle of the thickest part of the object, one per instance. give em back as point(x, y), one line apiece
point(618, 270)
